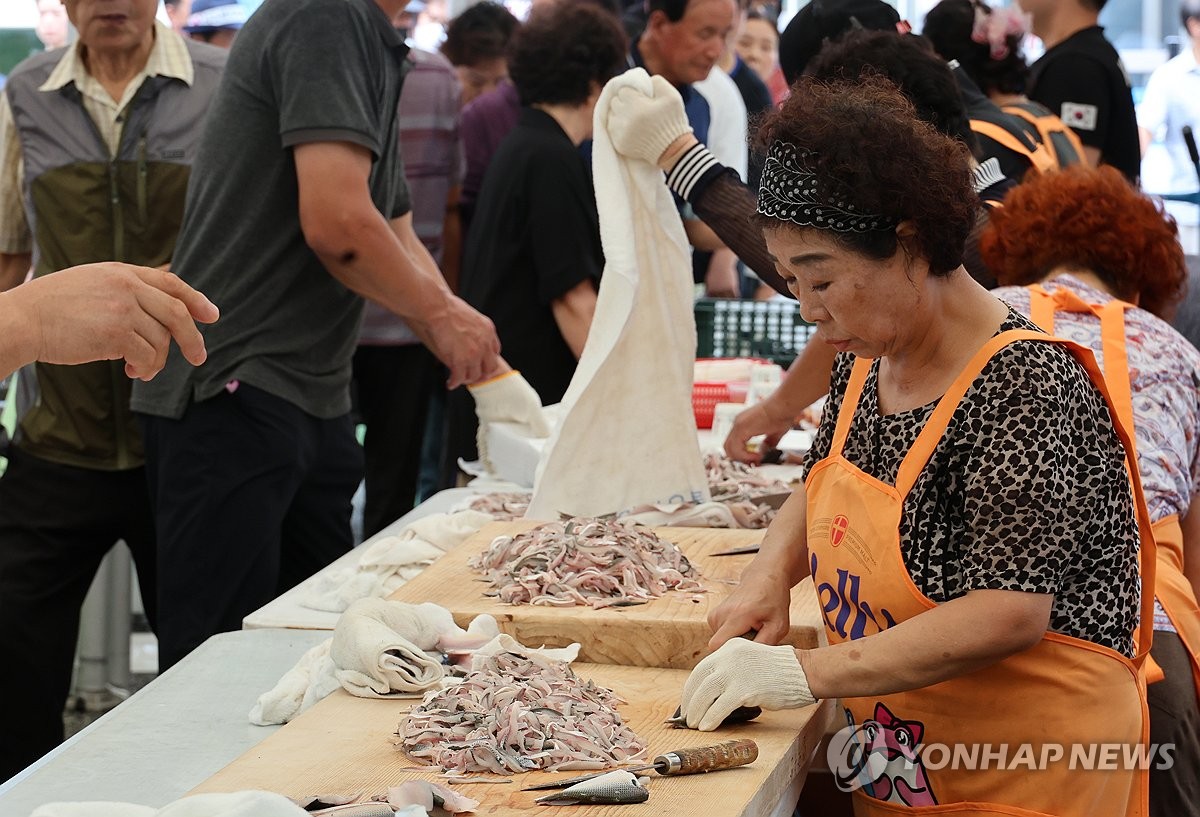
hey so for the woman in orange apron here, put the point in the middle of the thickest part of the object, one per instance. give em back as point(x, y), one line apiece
point(967, 519)
point(1085, 290)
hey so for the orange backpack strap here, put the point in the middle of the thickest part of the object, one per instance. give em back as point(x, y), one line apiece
point(1048, 126)
point(1041, 159)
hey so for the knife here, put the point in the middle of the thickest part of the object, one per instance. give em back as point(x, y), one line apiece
point(739, 551)
point(727, 755)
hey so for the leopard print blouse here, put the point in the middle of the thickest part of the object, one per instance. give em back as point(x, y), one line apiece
point(1026, 491)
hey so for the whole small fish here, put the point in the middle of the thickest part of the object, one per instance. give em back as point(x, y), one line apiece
point(612, 789)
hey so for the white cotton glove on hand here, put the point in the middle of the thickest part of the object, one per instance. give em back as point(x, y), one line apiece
point(507, 399)
point(643, 127)
point(743, 673)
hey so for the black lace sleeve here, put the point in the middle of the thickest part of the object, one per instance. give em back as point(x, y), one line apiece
point(722, 201)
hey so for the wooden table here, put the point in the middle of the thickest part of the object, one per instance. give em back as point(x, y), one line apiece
point(343, 745)
point(671, 631)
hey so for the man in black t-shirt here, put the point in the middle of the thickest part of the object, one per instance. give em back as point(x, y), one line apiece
point(1081, 78)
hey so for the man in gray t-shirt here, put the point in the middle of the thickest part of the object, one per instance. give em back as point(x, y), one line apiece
point(297, 209)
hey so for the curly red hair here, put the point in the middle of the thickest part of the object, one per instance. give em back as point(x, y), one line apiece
point(1093, 219)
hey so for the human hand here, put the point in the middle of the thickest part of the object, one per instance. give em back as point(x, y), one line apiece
point(743, 673)
point(642, 126)
point(506, 399)
point(722, 279)
point(760, 418)
point(109, 311)
point(760, 604)
point(465, 340)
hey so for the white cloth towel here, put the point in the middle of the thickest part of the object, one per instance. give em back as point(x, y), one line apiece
point(303, 685)
point(380, 647)
point(627, 436)
point(390, 561)
point(233, 804)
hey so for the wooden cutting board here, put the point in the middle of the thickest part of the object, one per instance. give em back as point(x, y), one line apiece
point(671, 631)
point(343, 746)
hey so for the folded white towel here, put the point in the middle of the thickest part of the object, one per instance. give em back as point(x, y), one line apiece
point(379, 647)
point(303, 685)
point(390, 561)
point(232, 804)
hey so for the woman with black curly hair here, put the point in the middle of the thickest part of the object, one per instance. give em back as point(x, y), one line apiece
point(1091, 259)
point(533, 259)
point(966, 519)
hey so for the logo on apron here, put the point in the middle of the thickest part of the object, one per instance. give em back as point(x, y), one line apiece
point(880, 756)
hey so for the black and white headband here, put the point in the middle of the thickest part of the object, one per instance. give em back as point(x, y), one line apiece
point(788, 190)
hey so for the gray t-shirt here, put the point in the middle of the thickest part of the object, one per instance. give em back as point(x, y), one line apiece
point(301, 71)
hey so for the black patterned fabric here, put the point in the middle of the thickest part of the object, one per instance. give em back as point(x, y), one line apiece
point(1027, 490)
point(790, 190)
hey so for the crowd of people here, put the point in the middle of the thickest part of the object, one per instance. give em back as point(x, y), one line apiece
point(401, 232)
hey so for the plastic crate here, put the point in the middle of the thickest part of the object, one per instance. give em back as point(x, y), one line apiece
point(706, 395)
point(772, 330)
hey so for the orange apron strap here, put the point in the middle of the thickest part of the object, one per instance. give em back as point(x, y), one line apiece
point(1043, 305)
point(1042, 161)
point(854, 390)
point(1042, 308)
point(935, 427)
point(1148, 556)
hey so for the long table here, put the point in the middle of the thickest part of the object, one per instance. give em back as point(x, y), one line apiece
point(170, 736)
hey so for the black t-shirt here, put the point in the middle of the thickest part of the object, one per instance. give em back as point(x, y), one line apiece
point(301, 71)
point(1083, 81)
point(535, 236)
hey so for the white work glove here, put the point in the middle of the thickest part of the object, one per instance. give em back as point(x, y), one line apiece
point(743, 673)
point(643, 127)
point(507, 399)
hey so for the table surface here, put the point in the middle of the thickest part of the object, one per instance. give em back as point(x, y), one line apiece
point(344, 745)
point(173, 734)
point(287, 611)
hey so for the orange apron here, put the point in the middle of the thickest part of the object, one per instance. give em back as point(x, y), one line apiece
point(1063, 691)
point(1171, 587)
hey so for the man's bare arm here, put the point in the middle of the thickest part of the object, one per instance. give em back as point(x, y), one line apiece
point(385, 262)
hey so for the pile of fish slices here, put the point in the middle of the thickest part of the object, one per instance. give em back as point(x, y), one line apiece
point(738, 485)
point(585, 561)
point(502, 506)
point(514, 713)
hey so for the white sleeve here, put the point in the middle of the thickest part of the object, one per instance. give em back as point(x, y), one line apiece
point(728, 129)
point(1152, 113)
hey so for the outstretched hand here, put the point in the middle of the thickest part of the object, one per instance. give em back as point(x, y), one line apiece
point(107, 311)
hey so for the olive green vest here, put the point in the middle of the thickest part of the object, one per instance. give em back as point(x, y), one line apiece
point(84, 206)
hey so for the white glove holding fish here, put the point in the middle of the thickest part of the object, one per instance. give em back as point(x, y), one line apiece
point(643, 127)
point(743, 673)
point(507, 398)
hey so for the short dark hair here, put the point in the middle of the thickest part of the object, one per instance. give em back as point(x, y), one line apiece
point(563, 49)
point(480, 33)
point(1189, 10)
point(949, 26)
point(873, 151)
point(824, 21)
point(674, 9)
point(909, 62)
